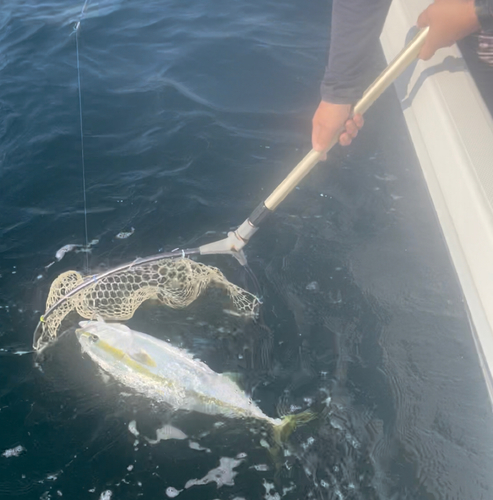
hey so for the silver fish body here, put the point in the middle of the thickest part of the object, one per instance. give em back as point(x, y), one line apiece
point(163, 372)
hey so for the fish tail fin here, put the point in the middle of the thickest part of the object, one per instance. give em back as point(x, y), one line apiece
point(288, 424)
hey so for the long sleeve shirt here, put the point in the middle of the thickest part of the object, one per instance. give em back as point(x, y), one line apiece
point(484, 11)
point(354, 40)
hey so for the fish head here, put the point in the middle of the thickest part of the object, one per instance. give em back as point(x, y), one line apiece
point(102, 339)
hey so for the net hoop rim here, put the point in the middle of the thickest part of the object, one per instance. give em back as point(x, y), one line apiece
point(90, 280)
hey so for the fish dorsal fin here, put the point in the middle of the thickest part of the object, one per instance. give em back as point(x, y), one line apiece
point(120, 327)
point(142, 357)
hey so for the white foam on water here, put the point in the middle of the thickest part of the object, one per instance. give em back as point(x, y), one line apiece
point(196, 446)
point(132, 427)
point(260, 467)
point(125, 234)
point(264, 443)
point(167, 432)
point(268, 488)
point(106, 495)
point(313, 286)
point(222, 475)
point(13, 452)
point(308, 443)
point(172, 492)
point(287, 489)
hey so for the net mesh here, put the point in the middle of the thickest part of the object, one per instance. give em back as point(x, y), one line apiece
point(174, 282)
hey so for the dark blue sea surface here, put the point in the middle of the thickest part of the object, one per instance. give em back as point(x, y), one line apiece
point(192, 113)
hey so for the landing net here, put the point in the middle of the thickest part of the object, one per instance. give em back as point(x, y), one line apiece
point(116, 294)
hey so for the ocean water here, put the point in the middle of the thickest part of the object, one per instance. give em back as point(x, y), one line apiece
point(192, 113)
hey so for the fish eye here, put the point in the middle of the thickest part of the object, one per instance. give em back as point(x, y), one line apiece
point(93, 337)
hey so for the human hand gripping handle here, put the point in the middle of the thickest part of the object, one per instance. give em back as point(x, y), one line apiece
point(449, 21)
point(334, 123)
point(327, 123)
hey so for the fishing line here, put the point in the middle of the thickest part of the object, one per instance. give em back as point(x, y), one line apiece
point(76, 30)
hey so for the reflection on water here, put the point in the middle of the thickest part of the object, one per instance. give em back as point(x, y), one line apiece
point(192, 114)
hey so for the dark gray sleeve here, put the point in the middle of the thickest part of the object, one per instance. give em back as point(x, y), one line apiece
point(354, 43)
point(484, 11)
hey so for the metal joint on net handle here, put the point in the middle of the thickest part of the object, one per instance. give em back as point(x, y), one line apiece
point(235, 241)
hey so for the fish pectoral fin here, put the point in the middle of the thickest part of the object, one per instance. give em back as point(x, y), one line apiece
point(235, 377)
point(142, 357)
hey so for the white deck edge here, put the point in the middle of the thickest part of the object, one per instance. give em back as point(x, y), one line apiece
point(452, 132)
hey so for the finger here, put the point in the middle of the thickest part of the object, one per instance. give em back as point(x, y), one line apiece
point(358, 120)
point(426, 51)
point(345, 139)
point(351, 128)
point(423, 20)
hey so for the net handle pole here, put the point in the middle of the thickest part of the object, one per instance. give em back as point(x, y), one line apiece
point(236, 240)
point(372, 93)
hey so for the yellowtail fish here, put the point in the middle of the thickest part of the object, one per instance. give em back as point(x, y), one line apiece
point(171, 375)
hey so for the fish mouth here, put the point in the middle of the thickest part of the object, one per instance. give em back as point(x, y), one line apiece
point(80, 333)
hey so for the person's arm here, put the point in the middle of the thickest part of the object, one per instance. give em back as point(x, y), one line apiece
point(354, 41)
point(452, 20)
